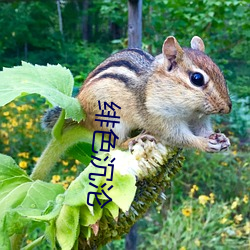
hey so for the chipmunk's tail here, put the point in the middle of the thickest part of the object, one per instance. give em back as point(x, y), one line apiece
point(50, 117)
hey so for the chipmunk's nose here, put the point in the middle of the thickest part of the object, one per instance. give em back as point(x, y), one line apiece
point(227, 108)
point(230, 106)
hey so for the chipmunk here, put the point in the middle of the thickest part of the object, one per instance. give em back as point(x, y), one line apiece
point(170, 96)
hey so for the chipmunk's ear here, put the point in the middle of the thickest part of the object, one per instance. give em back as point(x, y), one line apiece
point(171, 49)
point(197, 43)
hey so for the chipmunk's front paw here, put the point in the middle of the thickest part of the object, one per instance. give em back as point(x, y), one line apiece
point(141, 139)
point(218, 142)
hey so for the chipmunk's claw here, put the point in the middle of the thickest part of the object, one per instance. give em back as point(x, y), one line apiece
point(141, 139)
point(218, 142)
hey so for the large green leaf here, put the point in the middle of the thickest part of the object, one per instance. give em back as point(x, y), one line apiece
point(67, 226)
point(22, 200)
point(53, 82)
point(39, 194)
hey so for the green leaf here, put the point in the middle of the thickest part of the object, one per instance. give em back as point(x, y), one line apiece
point(113, 209)
point(124, 189)
point(53, 82)
point(9, 168)
point(39, 194)
point(50, 234)
point(82, 152)
point(86, 231)
point(67, 226)
point(47, 215)
point(7, 220)
point(14, 223)
point(86, 218)
point(27, 201)
point(122, 193)
point(20, 197)
point(76, 194)
point(6, 186)
point(4, 240)
point(14, 198)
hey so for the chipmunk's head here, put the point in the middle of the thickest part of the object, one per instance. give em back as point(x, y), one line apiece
point(197, 74)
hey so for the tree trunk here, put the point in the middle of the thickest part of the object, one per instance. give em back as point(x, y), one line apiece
point(59, 16)
point(85, 23)
point(135, 23)
point(134, 41)
point(131, 238)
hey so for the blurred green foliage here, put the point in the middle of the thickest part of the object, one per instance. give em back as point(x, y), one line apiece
point(30, 32)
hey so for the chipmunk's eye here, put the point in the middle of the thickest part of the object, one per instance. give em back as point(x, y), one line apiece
point(197, 79)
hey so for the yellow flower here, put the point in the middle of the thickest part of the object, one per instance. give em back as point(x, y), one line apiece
point(238, 218)
point(197, 242)
point(23, 107)
point(235, 203)
point(6, 113)
point(12, 105)
point(247, 227)
point(35, 159)
point(14, 123)
point(234, 152)
point(70, 178)
point(224, 164)
point(193, 190)
point(73, 168)
point(183, 248)
point(55, 178)
point(24, 154)
point(65, 163)
point(211, 195)
point(187, 211)
point(245, 199)
point(29, 124)
point(223, 220)
point(77, 162)
point(6, 141)
point(23, 164)
point(4, 134)
point(203, 199)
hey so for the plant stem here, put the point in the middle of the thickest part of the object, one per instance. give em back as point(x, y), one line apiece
point(16, 240)
point(58, 146)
